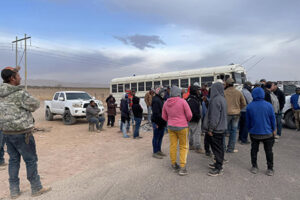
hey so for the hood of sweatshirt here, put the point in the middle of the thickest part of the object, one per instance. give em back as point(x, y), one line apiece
point(175, 91)
point(258, 94)
point(125, 96)
point(217, 89)
point(193, 90)
point(136, 100)
point(7, 89)
point(172, 101)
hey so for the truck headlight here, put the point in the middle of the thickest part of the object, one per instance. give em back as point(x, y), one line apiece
point(76, 105)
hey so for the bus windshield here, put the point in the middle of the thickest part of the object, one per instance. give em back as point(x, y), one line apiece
point(237, 78)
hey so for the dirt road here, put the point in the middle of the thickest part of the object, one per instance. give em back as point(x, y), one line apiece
point(83, 165)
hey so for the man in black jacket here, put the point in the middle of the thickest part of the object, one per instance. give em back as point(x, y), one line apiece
point(157, 122)
point(281, 98)
point(195, 123)
point(138, 116)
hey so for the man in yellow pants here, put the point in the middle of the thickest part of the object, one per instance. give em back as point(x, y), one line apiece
point(177, 113)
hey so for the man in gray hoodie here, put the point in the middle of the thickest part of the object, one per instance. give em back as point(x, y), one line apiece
point(215, 124)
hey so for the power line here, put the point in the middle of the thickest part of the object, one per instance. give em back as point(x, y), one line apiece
point(255, 64)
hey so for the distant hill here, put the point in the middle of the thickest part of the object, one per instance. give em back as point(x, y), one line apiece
point(52, 83)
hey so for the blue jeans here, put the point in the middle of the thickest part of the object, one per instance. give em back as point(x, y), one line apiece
point(233, 122)
point(149, 109)
point(278, 123)
point(127, 128)
point(98, 121)
point(138, 122)
point(158, 135)
point(2, 142)
point(243, 134)
point(17, 147)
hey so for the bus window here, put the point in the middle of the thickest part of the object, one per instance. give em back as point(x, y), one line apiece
point(165, 83)
point(237, 77)
point(133, 87)
point(194, 80)
point(175, 82)
point(127, 86)
point(120, 88)
point(114, 89)
point(141, 86)
point(156, 84)
point(148, 85)
point(184, 83)
point(207, 80)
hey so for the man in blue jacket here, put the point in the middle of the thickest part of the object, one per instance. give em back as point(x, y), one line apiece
point(295, 102)
point(261, 124)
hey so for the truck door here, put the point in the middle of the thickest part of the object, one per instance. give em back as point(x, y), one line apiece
point(61, 103)
point(54, 103)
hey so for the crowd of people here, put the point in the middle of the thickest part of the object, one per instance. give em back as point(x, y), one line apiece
point(215, 112)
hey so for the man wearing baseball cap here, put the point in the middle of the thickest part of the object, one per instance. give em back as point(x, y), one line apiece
point(16, 123)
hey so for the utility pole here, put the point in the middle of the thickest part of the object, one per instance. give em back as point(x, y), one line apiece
point(25, 54)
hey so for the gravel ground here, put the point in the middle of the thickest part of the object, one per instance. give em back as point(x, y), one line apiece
point(136, 175)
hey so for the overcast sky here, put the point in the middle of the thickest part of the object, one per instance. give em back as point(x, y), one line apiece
point(94, 41)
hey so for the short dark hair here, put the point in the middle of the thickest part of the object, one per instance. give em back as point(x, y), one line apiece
point(269, 84)
point(6, 74)
point(91, 101)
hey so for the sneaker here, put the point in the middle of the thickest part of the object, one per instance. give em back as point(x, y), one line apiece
point(15, 195)
point(155, 155)
point(175, 167)
point(41, 191)
point(98, 131)
point(182, 171)
point(161, 153)
point(276, 136)
point(270, 172)
point(215, 172)
point(208, 154)
point(254, 170)
point(126, 136)
point(232, 151)
point(139, 137)
point(212, 165)
point(201, 151)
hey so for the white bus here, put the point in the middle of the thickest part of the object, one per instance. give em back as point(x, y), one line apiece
point(143, 83)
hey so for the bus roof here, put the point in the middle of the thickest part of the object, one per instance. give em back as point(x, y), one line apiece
point(202, 71)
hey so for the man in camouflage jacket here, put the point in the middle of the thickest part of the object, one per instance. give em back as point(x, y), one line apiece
point(16, 123)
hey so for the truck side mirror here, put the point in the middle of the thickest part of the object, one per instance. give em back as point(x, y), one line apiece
point(61, 99)
point(93, 98)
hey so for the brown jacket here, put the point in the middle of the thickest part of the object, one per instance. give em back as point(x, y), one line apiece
point(111, 107)
point(148, 99)
point(235, 101)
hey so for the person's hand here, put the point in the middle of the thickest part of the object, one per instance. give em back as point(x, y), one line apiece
point(274, 133)
point(210, 133)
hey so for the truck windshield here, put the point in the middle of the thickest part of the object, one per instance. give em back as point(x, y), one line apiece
point(75, 96)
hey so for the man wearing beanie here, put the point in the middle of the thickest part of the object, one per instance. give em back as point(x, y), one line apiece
point(158, 123)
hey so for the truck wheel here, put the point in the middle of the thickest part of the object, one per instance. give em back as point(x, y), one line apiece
point(68, 119)
point(289, 120)
point(48, 115)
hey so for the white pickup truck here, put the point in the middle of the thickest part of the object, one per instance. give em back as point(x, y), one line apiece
point(70, 105)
